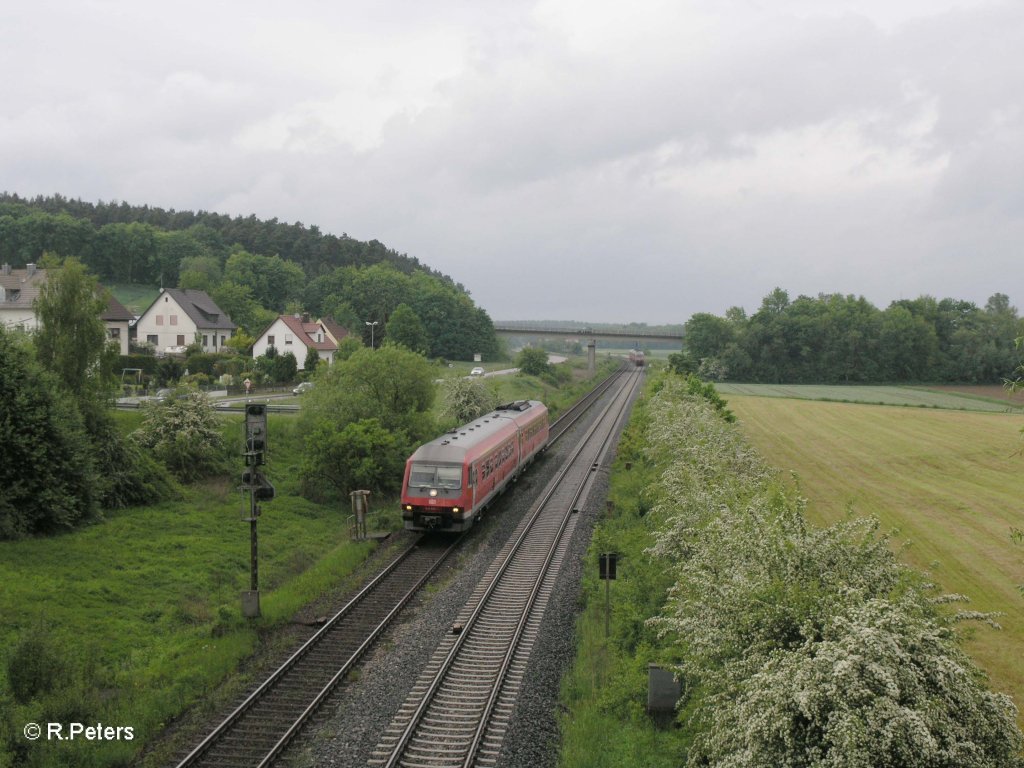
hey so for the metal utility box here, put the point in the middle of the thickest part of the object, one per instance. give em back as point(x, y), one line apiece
point(251, 603)
point(663, 691)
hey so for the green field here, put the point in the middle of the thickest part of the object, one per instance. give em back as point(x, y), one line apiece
point(949, 483)
point(875, 395)
point(135, 298)
point(140, 613)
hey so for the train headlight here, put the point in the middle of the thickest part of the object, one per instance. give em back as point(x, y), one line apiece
point(433, 491)
point(408, 507)
point(455, 509)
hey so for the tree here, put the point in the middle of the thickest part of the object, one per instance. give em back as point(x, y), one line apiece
point(362, 455)
point(238, 303)
point(707, 336)
point(405, 328)
point(47, 470)
point(72, 339)
point(312, 360)
point(390, 384)
point(271, 279)
point(533, 361)
point(374, 392)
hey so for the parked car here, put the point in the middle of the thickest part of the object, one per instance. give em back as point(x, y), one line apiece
point(303, 387)
point(478, 371)
point(163, 394)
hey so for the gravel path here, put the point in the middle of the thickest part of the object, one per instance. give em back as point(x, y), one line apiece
point(366, 705)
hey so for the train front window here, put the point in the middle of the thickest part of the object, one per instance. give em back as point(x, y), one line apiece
point(449, 477)
point(434, 476)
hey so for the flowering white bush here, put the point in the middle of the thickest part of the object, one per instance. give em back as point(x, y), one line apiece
point(184, 433)
point(467, 399)
point(800, 646)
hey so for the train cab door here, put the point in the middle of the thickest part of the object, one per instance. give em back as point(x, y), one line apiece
point(472, 486)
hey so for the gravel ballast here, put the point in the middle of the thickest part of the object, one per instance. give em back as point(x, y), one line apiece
point(348, 734)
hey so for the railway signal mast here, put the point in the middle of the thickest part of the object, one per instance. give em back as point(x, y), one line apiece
point(259, 489)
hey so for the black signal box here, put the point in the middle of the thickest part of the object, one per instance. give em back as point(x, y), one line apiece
point(607, 562)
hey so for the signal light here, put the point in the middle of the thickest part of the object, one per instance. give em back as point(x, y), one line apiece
point(262, 488)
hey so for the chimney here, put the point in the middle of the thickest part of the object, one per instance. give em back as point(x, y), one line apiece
point(30, 269)
point(6, 269)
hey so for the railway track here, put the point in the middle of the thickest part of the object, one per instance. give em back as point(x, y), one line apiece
point(459, 710)
point(265, 723)
point(259, 729)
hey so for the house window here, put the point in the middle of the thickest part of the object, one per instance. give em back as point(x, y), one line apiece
point(114, 333)
point(174, 319)
point(270, 341)
point(206, 340)
point(159, 319)
point(287, 338)
point(153, 339)
point(181, 341)
point(223, 340)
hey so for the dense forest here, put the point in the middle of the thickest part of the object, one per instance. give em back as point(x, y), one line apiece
point(833, 338)
point(253, 269)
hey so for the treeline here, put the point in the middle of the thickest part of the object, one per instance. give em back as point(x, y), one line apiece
point(253, 269)
point(834, 338)
point(28, 227)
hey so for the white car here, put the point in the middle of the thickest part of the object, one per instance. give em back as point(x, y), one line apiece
point(303, 387)
point(478, 371)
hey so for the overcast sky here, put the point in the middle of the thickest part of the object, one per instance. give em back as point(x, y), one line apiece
point(563, 159)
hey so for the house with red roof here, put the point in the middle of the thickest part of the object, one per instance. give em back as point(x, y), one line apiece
point(298, 334)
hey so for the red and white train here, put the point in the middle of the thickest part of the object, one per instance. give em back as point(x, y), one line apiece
point(636, 357)
point(449, 480)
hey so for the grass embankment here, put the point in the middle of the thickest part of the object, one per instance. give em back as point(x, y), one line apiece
point(605, 725)
point(948, 482)
point(140, 614)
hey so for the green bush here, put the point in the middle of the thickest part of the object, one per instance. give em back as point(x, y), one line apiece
point(35, 665)
point(533, 361)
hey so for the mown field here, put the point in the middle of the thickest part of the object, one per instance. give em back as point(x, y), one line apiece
point(968, 398)
point(949, 483)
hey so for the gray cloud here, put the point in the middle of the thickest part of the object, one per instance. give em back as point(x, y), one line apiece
point(559, 158)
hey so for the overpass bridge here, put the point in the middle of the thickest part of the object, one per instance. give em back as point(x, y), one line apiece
point(516, 329)
point(633, 338)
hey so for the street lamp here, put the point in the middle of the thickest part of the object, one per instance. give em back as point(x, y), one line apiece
point(371, 331)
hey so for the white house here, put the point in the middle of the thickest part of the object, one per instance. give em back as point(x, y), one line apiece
point(298, 335)
point(179, 317)
point(19, 289)
point(117, 319)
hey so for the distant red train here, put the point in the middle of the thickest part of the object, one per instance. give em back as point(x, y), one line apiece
point(450, 480)
point(636, 357)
